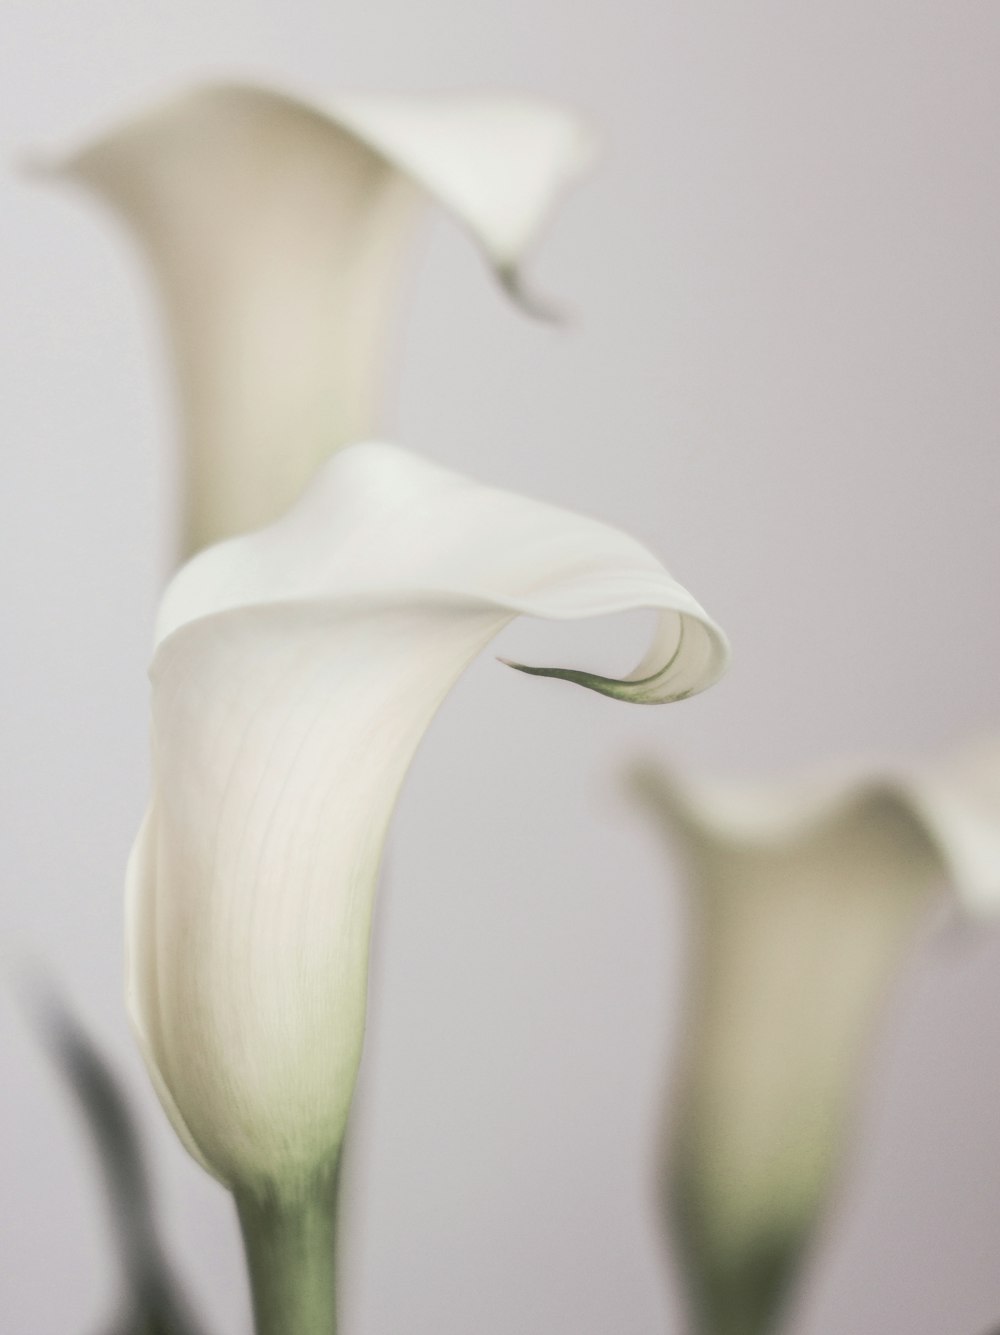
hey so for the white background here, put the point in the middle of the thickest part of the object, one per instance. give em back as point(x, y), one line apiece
point(784, 375)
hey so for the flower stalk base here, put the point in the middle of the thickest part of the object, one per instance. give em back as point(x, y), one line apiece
point(289, 1248)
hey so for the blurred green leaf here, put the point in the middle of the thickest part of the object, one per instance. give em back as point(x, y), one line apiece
point(153, 1300)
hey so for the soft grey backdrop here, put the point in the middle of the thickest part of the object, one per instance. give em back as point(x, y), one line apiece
point(785, 376)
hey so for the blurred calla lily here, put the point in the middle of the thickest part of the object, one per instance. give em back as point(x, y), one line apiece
point(805, 898)
point(295, 672)
point(276, 231)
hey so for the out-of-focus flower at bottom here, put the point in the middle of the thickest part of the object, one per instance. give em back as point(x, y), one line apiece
point(804, 899)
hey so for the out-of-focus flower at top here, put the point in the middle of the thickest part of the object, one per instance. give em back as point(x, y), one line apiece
point(277, 232)
point(804, 899)
point(295, 673)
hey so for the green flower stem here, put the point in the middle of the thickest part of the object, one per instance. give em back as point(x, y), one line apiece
point(289, 1249)
point(752, 1299)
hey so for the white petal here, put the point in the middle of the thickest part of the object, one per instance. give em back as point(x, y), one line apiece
point(497, 164)
point(955, 802)
point(277, 233)
point(804, 898)
point(297, 670)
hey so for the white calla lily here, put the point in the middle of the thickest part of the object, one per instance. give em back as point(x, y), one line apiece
point(295, 673)
point(277, 230)
point(804, 898)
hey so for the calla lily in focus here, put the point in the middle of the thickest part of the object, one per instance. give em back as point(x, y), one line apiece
point(805, 899)
point(277, 231)
point(295, 672)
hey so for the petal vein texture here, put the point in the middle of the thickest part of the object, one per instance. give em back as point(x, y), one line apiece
point(295, 672)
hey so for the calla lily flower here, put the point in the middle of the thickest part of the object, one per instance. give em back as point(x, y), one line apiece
point(805, 898)
point(295, 672)
point(277, 231)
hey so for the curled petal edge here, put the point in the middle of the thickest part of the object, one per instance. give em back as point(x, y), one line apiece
point(295, 673)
